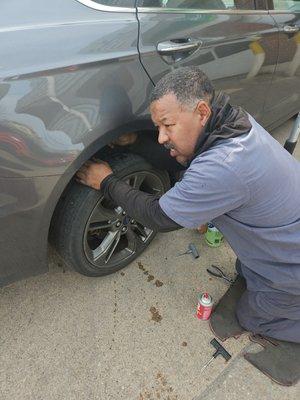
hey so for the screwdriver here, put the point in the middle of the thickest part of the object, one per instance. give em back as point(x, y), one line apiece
point(191, 250)
point(219, 351)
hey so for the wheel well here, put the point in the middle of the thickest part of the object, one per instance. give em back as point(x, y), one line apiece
point(146, 146)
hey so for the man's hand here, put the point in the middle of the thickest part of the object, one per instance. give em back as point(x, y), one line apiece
point(124, 140)
point(93, 173)
point(202, 229)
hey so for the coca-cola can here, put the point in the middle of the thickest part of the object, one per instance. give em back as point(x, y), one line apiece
point(204, 307)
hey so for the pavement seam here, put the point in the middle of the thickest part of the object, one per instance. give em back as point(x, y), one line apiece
point(216, 383)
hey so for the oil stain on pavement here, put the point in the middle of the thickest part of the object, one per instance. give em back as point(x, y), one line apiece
point(161, 390)
point(155, 314)
point(150, 277)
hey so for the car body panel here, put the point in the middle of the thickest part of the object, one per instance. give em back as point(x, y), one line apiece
point(68, 86)
point(24, 216)
point(51, 108)
point(284, 96)
point(227, 53)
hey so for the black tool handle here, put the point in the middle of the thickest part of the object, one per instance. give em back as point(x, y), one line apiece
point(215, 271)
point(220, 350)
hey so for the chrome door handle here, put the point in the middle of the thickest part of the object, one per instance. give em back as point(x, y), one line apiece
point(290, 28)
point(178, 46)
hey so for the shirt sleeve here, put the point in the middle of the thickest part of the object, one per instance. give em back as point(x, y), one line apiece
point(208, 189)
point(143, 207)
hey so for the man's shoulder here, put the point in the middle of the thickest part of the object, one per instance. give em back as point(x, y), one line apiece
point(236, 154)
point(239, 150)
point(218, 161)
point(220, 151)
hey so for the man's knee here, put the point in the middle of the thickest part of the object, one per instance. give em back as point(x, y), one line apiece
point(257, 320)
point(244, 313)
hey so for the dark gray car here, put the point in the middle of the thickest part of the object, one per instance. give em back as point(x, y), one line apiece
point(75, 75)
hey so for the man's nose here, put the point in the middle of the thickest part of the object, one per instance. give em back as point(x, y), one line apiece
point(162, 136)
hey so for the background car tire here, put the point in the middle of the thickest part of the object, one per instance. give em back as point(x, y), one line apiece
point(72, 232)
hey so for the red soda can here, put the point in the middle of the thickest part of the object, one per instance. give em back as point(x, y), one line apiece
point(204, 307)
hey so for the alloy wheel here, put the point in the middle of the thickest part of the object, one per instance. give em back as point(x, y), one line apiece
point(111, 235)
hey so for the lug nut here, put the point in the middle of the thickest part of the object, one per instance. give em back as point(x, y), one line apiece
point(109, 221)
point(132, 221)
point(124, 229)
point(123, 213)
point(118, 224)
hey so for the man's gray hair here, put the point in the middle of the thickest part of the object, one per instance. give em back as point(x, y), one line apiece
point(189, 85)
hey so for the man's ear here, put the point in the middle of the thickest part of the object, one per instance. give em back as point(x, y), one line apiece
point(204, 111)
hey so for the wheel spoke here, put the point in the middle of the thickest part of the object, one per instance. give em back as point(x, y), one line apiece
point(141, 230)
point(135, 241)
point(113, 247)
point(101, 214)
point(108, 245)
point(99, 225)
point(138, 180)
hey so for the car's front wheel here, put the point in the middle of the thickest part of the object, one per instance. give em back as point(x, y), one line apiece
point(96, 237)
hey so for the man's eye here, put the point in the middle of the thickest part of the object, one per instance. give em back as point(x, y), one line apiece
point(168, 125)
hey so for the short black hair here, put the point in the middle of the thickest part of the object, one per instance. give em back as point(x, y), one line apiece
point(189, 84)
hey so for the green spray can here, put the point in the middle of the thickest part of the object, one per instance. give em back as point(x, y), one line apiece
point(213, 236)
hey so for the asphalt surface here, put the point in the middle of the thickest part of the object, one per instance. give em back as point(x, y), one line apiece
point(128, 336)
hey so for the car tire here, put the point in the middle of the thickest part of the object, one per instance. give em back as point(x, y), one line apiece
point(86, 246)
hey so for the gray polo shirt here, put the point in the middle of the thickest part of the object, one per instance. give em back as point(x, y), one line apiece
point(249, 188)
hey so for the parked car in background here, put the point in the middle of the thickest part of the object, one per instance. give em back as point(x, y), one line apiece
point(75, 76)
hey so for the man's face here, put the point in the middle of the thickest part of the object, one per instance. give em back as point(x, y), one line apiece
point(178, 126)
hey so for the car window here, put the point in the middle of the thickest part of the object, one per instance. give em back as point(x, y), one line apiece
point(116, 3)
point(200, 4)
point(285, 5)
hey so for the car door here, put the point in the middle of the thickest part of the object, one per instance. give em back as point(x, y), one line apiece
point(286, 84)
point(226, 38)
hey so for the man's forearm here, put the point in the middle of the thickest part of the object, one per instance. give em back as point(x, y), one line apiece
point(141, 206)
